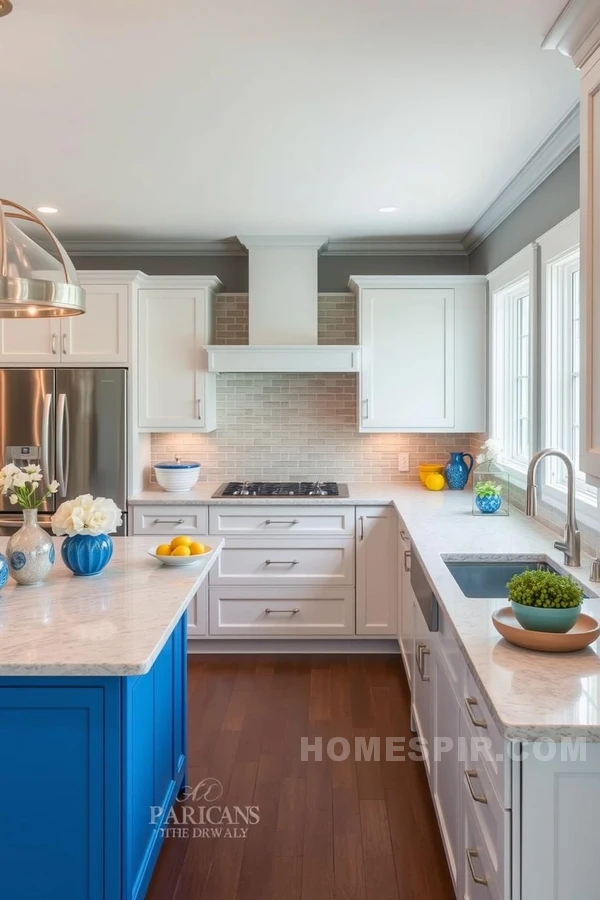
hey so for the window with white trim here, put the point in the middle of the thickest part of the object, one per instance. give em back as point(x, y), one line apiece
point(561, 340)
point(512, 417)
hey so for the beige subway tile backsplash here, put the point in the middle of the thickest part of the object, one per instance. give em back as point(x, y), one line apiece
point(280, 426)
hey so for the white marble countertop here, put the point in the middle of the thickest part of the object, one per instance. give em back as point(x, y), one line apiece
point(115, 623)
point(530, 695)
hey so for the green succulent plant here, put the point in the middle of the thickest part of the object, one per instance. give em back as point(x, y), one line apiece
point(545, 590)
point(488, 489)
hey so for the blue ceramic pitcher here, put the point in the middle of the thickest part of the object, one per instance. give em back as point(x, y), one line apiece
point(457, 471)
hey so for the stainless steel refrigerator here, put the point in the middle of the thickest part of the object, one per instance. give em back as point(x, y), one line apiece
point(72, 423)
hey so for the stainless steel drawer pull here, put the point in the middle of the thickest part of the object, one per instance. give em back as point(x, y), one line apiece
point(404, 535)
point(470, 774)
point(281, 521)
point(54, 343)
point(281, 562)
point(406, 560)
point(470, 703)
point(421, 650)
point(292, 612)
point(169, 521)
point(425, 651)
point(471, 856)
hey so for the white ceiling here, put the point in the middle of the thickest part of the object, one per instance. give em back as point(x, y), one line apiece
point(199, 120)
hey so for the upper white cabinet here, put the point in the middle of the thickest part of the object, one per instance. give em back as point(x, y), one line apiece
point(590, 267)
point(424, 353)
point(101, 335)
point(30, 341)
point(175, 390)
point(98, 337)
point(376, 570)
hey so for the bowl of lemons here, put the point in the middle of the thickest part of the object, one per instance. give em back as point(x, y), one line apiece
point(182, 551)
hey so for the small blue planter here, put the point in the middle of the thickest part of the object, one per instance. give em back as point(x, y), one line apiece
point(488, 505)
point(539, 618)
point(3, 570)
point(86, 554)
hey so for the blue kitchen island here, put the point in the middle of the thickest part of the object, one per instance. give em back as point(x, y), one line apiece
point(93, 713)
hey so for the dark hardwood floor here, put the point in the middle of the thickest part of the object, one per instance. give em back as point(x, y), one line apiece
point(328, 830)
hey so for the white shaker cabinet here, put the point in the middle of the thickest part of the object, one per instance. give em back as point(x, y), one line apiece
point(376, 570)
point(98, 337)
point(405, 604)
point(423, 342)
point(101, 335)
point(447, 775)
point(590, 268)
point(422, 689)
point(34, 342)
point(176, 392)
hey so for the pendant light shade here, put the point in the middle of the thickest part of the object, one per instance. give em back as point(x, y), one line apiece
point(33, 282)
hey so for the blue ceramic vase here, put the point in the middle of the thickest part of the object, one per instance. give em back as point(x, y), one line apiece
point(488, 505)
point(86, 554)
point(457, 471)
point(3, 570)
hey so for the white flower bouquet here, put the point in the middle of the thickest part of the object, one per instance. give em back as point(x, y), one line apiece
point(86, 515)
point(492, 452)
point(21, 485)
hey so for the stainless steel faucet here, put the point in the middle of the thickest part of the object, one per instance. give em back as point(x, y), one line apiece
point(571, 545)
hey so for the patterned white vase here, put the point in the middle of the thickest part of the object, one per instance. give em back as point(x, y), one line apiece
point(30, 551)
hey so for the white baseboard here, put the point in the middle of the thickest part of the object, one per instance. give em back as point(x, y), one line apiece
point(291, 645)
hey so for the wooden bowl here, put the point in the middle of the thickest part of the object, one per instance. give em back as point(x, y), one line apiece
point(585, 631)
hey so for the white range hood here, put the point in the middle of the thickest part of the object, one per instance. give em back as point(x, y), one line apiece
point(283, 311)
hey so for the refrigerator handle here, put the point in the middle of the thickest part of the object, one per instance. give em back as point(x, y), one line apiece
point(47, 409)
point(63, 430)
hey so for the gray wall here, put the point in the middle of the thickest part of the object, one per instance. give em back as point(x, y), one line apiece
point(334, 271)
point(555, 199)
point(232, 270)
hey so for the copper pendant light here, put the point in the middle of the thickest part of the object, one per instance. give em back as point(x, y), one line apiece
point(33, 282)
point(5, 7)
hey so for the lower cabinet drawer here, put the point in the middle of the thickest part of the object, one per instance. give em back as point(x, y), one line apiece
point(170, 520)
point(479, 877)
point(494, 752)
point(314, 612)
point(303, 561)
point(264, 521)
point(494, 822)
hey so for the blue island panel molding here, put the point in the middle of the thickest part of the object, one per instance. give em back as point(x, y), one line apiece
point(82, 761)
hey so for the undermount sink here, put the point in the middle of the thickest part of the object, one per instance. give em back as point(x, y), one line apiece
point(488, 578)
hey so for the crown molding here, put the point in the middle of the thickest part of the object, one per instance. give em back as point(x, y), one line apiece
point(576, 32)
point(559, 144)
point(225, 247)
point(395, 247)
point(283, 241)
point(235, 247)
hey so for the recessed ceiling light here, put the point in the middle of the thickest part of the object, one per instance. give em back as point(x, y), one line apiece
point(47, 209)
point(388, 209)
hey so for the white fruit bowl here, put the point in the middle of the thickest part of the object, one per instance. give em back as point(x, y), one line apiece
point(180, 560)
point(177, 476)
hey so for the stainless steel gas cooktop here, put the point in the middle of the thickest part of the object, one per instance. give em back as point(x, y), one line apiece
point(282, 489)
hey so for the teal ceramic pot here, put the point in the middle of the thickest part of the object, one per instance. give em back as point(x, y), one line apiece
point(538, 618)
